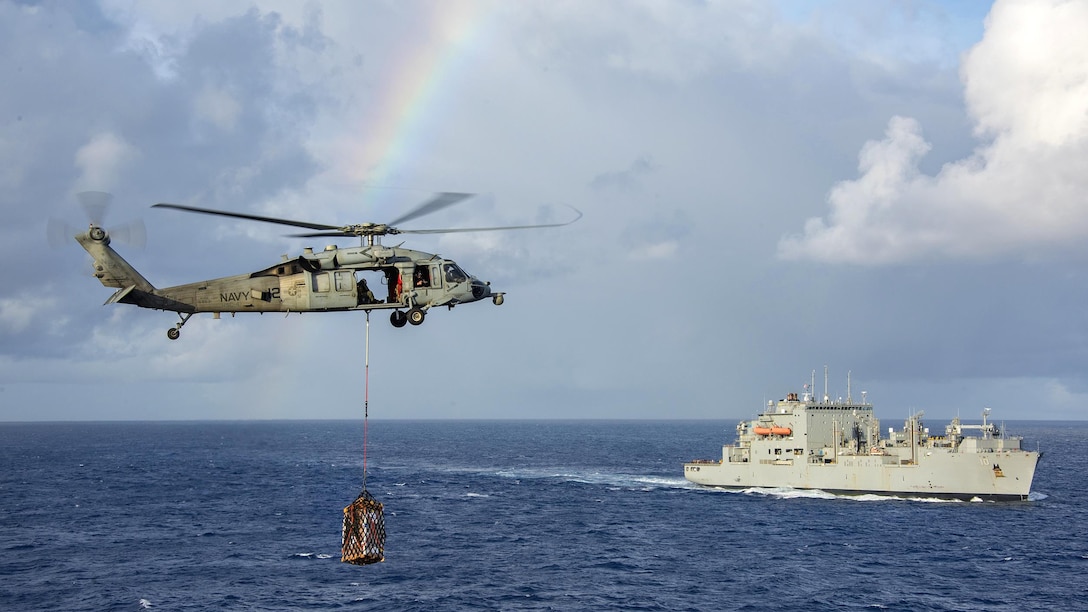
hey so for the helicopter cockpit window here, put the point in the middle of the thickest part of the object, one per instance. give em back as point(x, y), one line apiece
point(454, 274)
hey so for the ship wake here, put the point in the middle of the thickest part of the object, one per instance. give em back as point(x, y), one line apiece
point(791, 493)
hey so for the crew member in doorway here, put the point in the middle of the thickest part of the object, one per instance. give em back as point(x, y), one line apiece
point(395, 286)
point(366, 296)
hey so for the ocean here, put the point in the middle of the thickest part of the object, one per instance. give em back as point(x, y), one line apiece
point(502, 515)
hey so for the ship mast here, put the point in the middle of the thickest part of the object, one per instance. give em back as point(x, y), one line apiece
point(826, 396)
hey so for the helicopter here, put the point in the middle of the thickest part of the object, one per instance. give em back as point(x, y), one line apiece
point(328, 281)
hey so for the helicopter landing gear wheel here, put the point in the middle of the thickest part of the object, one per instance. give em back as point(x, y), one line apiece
point(398, 318)
point(175, 332)
point(415, 316)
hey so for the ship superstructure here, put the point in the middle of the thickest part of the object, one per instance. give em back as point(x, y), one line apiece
point(836, 446)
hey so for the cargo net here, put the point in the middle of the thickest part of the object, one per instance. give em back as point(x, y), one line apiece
point(363, 539)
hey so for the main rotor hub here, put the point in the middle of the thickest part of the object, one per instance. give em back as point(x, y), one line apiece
point(369, 229)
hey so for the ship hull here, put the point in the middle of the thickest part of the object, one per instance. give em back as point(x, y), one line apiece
point(1002, 475)
point(898, 494)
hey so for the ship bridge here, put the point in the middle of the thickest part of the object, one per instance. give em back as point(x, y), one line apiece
point(816, 424)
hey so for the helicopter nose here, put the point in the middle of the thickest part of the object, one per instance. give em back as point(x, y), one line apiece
point(480, 289)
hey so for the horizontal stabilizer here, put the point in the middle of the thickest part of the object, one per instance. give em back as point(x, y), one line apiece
point(146, 299)
point(119, 295)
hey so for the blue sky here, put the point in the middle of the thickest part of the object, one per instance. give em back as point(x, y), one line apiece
point(892, 189)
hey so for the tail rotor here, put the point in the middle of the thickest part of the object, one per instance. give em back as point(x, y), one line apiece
point(96, 206)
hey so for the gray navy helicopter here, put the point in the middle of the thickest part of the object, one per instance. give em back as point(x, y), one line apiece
point(334, 279)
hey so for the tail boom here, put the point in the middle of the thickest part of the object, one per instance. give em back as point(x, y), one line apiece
point(109, 267)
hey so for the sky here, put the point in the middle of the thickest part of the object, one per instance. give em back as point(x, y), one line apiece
point(893, 190)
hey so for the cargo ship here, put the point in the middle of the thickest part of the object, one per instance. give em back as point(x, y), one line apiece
point(837, 447)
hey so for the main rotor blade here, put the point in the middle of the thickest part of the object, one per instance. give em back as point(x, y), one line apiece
point(223, 213)
point(323, 235)
point(489, 229)
point(437, 203)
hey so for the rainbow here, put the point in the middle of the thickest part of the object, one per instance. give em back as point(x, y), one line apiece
point(373, 152)
point(394, 128)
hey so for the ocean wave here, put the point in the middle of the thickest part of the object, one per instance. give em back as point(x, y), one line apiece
point(566, 526)
point(312, 555)
point(615, 479)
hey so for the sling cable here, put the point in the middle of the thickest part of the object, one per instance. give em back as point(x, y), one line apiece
point(363, 537)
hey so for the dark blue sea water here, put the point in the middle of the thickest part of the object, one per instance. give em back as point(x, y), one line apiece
point(501, 516)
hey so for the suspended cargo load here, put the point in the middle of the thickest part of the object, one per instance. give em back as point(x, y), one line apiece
point(363, 539)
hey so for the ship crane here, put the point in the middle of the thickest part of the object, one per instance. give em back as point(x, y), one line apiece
point(988, 430)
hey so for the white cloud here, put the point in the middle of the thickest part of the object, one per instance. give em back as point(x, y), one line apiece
point(665, 249)
point(659, 250)
point(218, 107)
point(1028, 78)
point(663, 41)
point(1020, 194)
point(102, 160)
point(1065, 401)
point(16, 314)
point(154, 48)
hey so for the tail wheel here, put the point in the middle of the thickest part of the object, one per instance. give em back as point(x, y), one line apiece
point(175, 332)
point(415, 316)
point(398, 318)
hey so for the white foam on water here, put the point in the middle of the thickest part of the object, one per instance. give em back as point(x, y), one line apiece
point(787, 492)
point(614, 480)
point(664, 481)
point(925, 500)
point(791, 493)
